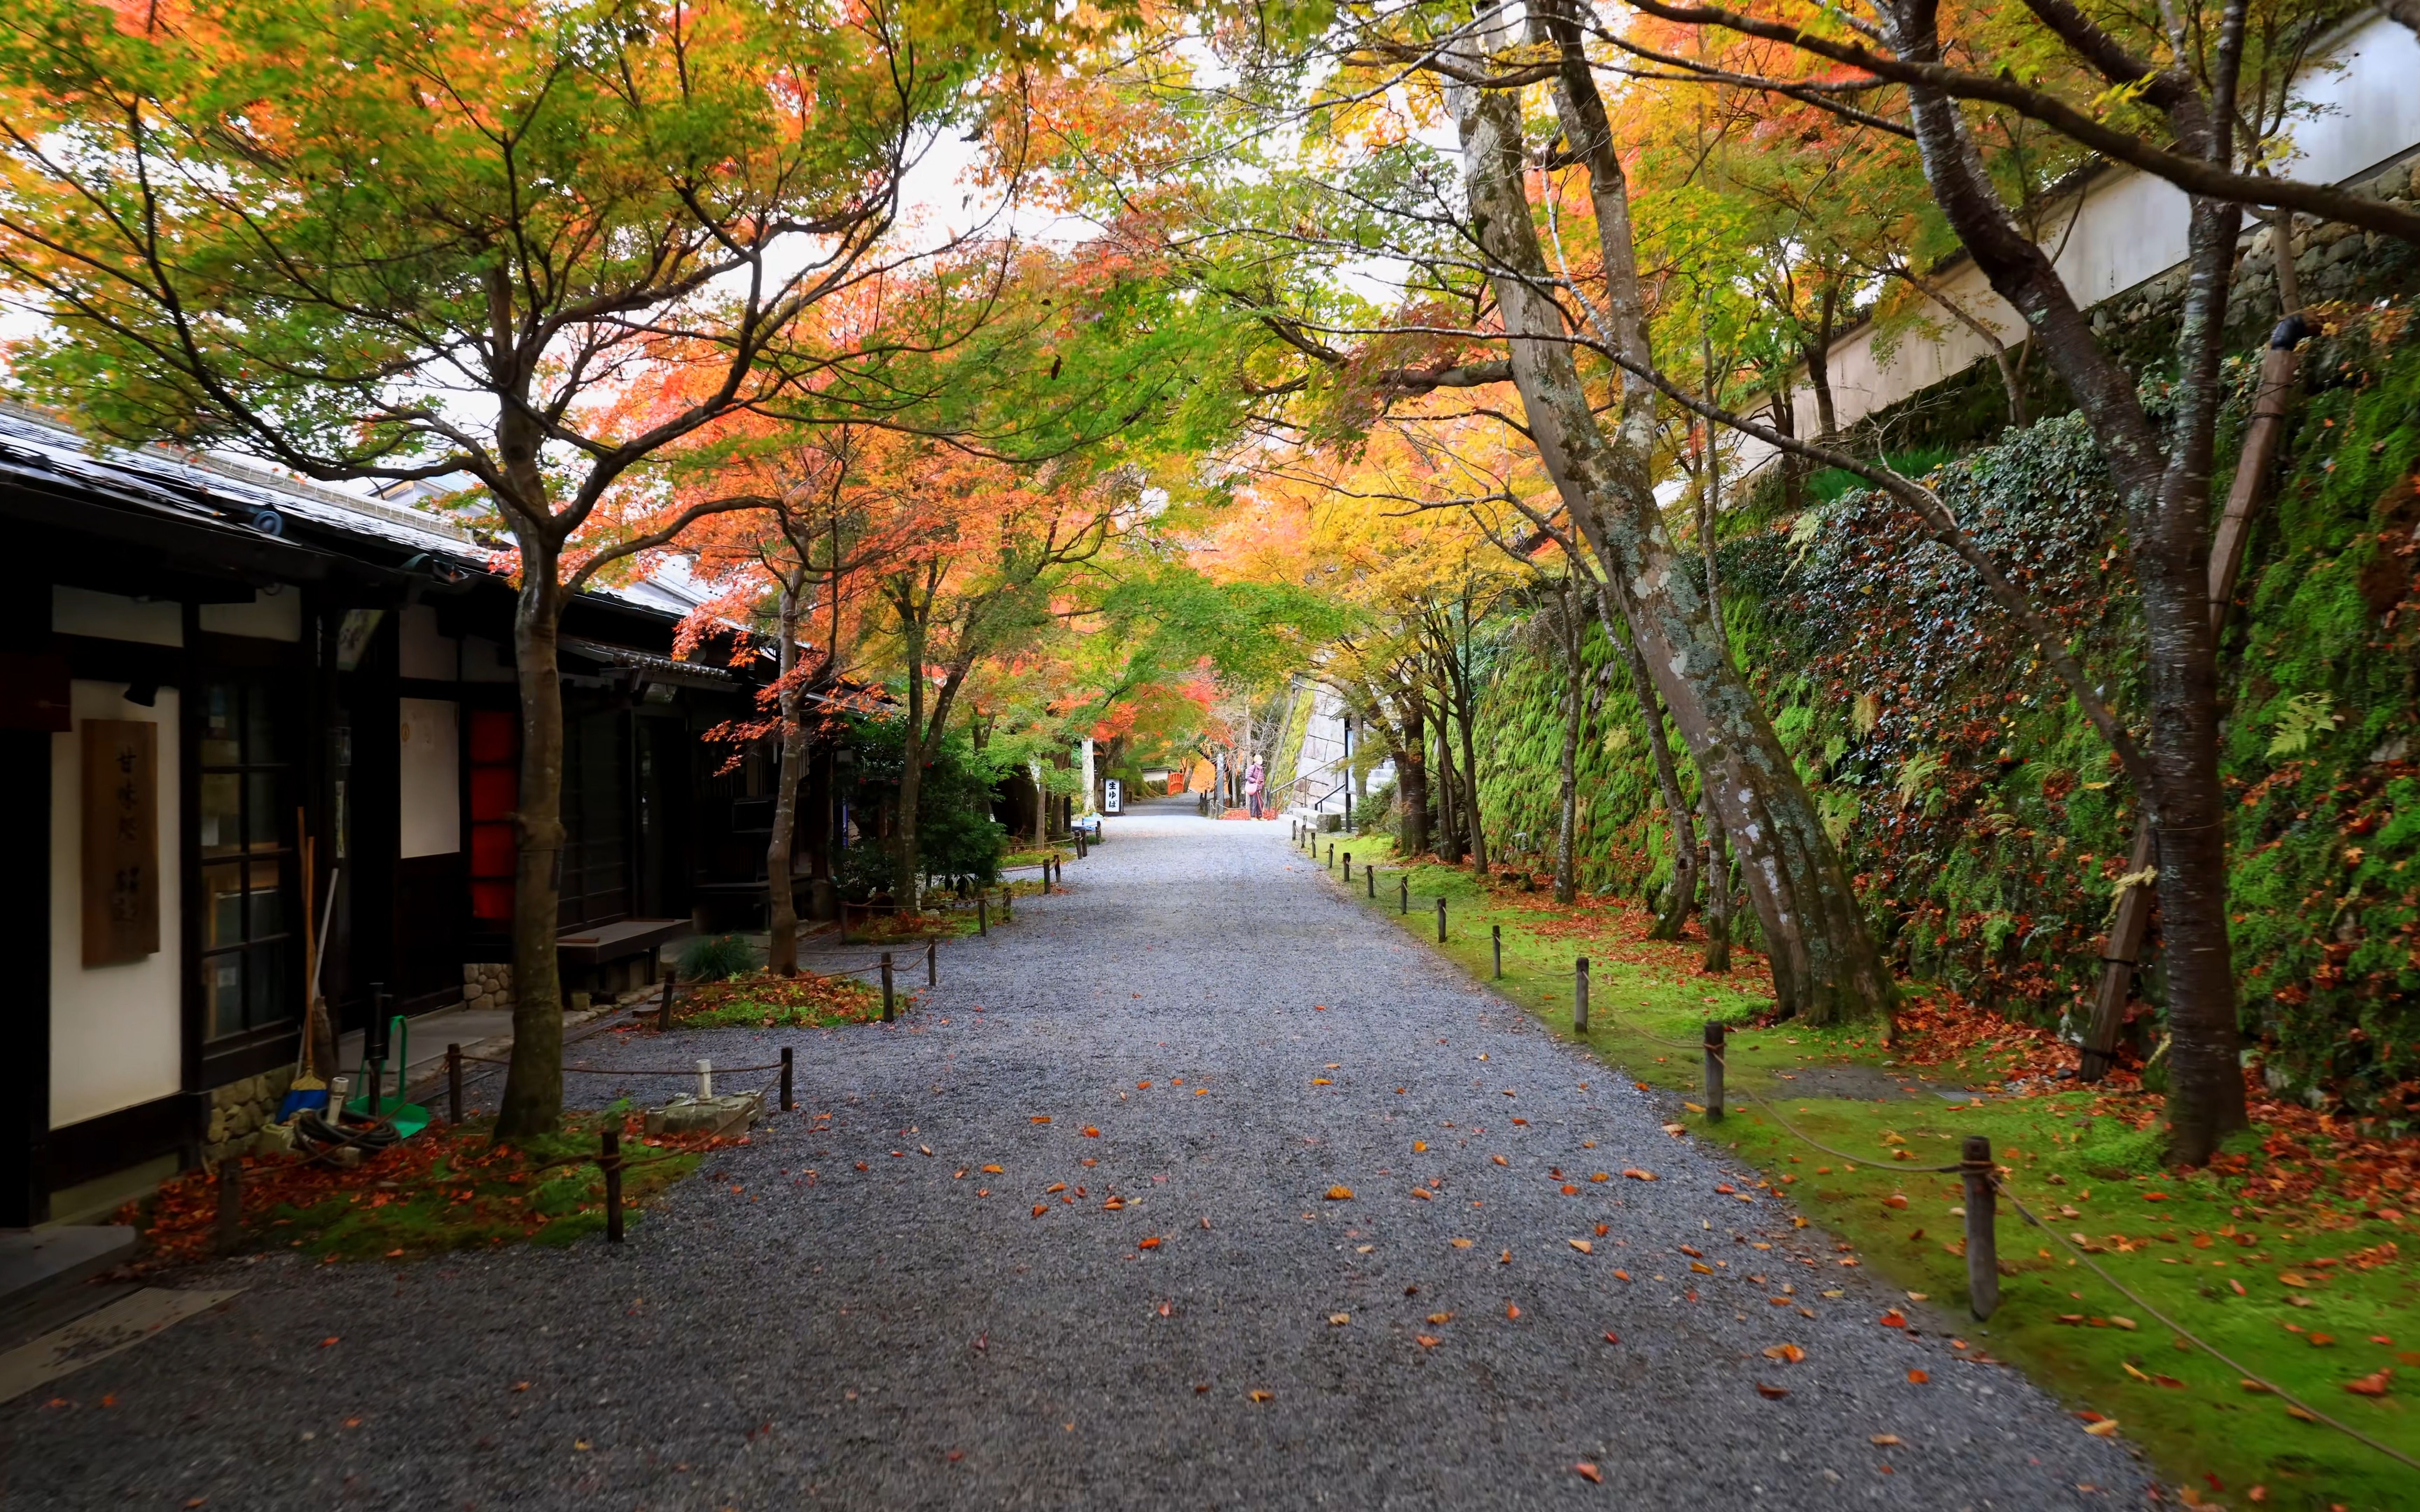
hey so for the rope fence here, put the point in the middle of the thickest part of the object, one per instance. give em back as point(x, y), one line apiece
point(2250, 1376)
point(380, 1132)
point(1984, 1179)
point(631, 1071)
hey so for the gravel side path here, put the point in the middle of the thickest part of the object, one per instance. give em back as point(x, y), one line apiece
point(879, 1332)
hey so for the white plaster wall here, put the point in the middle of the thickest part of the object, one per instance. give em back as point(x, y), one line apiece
point(420, 650)
point(116, 617)
point(484, 661)
point(2131, 227)
point(270, 616)
point(116, 1031)
point(431, 784)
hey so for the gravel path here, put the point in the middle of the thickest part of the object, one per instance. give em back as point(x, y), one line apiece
point(879, 1332)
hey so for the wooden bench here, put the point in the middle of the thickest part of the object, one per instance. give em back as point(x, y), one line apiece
point(601, 956)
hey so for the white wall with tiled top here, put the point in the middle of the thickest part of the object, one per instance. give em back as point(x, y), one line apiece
point(2129, 227)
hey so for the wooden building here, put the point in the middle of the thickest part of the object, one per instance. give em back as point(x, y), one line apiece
point(207, 671)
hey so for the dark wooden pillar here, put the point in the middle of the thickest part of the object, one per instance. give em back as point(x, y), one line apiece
point(32, 688)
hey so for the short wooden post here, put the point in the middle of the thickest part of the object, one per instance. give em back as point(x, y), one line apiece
point(982, 912)
point(1983, 1232)
point(1440, 921)
point(1348, 866)
point(1716, 1029)
point(453, 1084)
point(889, 1009)
point(1007, 904)
point(1332, 856)
point(230, 1226)
point(1403, 904)
point(787, 1103)
point(609, 1159)
point(664, 1008)
point(374, 1041)
point(1294, 830)
point(1579, 995)
point(1371, 874)
point(932, 965)
point(1496, 943)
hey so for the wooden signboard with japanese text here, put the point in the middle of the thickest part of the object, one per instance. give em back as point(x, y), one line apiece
point(121, 841)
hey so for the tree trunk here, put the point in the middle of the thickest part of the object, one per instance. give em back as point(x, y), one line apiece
point(533, 1096)
point(1718, 867)
point(2166, 489)
point(1825, 966)
point(1448, 790)
point(782, 909)
point(1674, 916)
point(1718, 896)
point(1567, 805)
point(1793, 468)
point(1412, 777)
point(1041, 804)
point(906, 878)
point(1818, 354)
point(1470, 773)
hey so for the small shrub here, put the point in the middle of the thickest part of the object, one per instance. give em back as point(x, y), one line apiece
point(716, 958)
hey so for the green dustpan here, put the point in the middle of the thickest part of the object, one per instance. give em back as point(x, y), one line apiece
point(408, 1117)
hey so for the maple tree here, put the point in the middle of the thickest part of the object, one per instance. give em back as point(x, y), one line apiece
point(2220, 91)
point(429, 242)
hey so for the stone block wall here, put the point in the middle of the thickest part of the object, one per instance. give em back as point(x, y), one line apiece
point(486, 984)
point(239, 1110)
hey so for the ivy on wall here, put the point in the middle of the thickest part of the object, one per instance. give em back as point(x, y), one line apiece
point(1983, 819)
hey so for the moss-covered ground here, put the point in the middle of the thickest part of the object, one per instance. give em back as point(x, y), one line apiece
point(2284, 1253)
point(762, 1000)
point(443, 1189)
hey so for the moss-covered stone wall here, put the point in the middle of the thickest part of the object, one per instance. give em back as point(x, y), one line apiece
point(1983, 819)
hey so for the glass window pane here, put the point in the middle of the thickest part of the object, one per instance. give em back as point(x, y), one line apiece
point(218, 814)
point(260, 742)
point(222, 906)
point(223, 993)
point(265, 885)
point(260, 809)
point(266, 989)
point(220, 745)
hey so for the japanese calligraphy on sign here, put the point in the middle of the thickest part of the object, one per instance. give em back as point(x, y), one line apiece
point(121, 841)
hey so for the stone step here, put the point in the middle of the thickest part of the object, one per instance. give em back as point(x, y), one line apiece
point(45, 1274)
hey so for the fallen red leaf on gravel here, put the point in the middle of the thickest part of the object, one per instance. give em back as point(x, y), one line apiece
point(1588, 1472)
